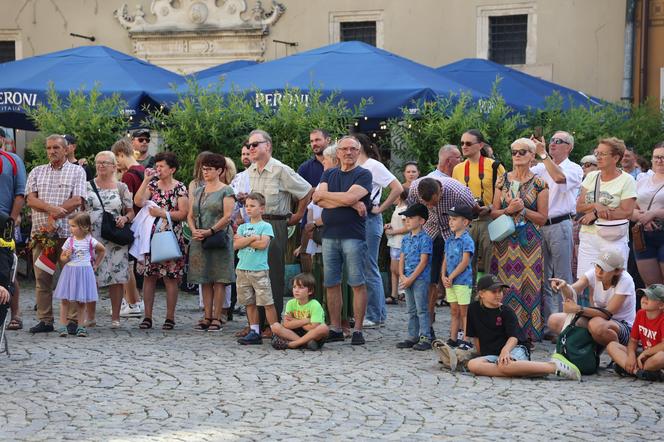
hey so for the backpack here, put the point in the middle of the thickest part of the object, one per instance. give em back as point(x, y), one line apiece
point(11, 160)
point(577, 345)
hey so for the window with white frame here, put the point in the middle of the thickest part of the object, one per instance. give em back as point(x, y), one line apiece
point(507, 33)
point(365, 26)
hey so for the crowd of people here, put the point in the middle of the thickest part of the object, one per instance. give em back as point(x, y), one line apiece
point(514, 250)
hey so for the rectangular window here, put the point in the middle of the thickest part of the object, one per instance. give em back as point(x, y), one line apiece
point(7, 51)
point(508, 38)
point(364, 31)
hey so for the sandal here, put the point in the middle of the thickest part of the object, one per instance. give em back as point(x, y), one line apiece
point(169, 324)
point(145, 324)
point(391, 301)
point(203, 325)
point(242, 333)
point(15, 324)
point(215, 325)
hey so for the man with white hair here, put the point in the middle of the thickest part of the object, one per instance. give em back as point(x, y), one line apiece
point(448, 157)
point(564, 179)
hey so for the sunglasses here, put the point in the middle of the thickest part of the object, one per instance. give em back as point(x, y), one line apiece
point(557, 141)
point(586, 165)
point(520, 152)
point(143, 140)
point(254, 145)
point(468, 143)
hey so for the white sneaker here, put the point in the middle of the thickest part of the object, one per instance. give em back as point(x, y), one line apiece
point(369, 324)
point(130, 311)
point(565, 369)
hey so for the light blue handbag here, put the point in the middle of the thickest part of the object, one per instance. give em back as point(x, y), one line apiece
point(164, 245)
point(501, 227)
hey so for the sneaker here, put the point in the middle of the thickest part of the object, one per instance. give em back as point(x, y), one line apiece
point(42, 327)
point(279, 343)
point(72, 327)
point(464, 345)
point(62, 331)
point(357, 338)
point(369, 324)
point(446, 354)
point(81, 332)
point(130, 311)
point(313, 345)
point(452, 343)
point(565, 369)
point(620, 371)
point(252, 338)
point(408, 343)
point(335, 336)
point(649, 375)
point(424, 344)
point(432, 333)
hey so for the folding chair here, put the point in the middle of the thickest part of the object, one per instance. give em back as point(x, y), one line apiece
point(8, 263)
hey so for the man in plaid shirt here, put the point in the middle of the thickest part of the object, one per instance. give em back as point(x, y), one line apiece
point(54, 191)
point(439, 194)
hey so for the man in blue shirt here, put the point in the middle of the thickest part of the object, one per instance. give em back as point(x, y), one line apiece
point(12, 200)
point(343, 194)
point(311, 170)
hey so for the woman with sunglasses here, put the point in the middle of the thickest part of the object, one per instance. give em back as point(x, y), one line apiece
point(604, 206)
point(517, 260)
point(649, 211)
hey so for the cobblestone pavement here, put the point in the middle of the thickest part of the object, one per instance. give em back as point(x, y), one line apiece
point(129, 384)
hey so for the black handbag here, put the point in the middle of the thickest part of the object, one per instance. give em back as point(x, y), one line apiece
point(218, 240)
point(317, 235)
point(109, 230)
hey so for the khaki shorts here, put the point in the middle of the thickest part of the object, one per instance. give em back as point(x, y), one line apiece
point(253, 287)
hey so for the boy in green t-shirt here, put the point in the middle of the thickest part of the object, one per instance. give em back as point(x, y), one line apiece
point(304, 321)
point(253, 274)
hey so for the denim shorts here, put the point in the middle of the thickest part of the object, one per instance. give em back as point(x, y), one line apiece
point(395, 253)
point(654, 246)
point(336, 253)
point(518, 353)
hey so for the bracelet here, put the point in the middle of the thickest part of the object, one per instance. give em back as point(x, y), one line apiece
point(212, 230)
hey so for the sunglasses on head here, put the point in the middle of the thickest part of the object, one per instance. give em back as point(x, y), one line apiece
point(557, 141)
point(254, 145)
point(520, 152)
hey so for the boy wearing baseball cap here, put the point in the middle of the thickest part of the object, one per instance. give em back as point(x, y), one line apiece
point(647, 329)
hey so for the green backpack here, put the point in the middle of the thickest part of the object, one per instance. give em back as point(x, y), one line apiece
point(577, 345)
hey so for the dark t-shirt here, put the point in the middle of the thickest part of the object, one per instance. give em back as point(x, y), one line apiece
point(311, 170)
point(492, 326)
point(345, 222)
point(133, 179)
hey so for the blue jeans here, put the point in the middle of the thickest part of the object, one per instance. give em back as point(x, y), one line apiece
point(376, 308)
point(336, 253)
point(417, 303)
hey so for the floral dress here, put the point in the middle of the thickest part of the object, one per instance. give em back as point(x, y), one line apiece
point(168, 200)
point(517, 260)
point(114, 268)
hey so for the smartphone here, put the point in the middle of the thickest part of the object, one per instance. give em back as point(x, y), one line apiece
point(538, 132)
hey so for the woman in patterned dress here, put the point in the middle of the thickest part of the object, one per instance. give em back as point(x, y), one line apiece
point(113, 271)
point(517, 260)
point(170, 196)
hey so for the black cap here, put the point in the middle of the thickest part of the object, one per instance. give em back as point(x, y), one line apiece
point(70, 139)
point(141, 133)
point(416, 209)
point(463, 211)
point(490, 282)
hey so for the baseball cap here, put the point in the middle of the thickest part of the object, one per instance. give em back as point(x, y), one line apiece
point(609, 260)
point(141, 133)
point(490, 282)
point(463, 211)
point(416, 209)
point(654, 292)
point(70, 139)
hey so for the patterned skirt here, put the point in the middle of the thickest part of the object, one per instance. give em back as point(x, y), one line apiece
point(517, 261)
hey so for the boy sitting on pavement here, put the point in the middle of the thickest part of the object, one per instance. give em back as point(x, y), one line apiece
point(647, 329)
point(304, 321)
point(253, 278)
point(415, 273)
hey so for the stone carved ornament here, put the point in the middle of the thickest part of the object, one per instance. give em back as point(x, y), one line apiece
point(197, 14)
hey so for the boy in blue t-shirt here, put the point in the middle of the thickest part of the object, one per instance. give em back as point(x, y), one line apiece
point(457, 272)
point(253, 278)
point(415, 273)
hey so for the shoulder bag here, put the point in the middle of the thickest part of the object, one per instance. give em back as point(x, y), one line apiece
point(501, 227)
point(638, 236)
point(109, 230)
point(164, 245)
point(218, 240)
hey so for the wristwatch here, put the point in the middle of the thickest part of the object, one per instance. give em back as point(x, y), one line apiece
point(543, 156)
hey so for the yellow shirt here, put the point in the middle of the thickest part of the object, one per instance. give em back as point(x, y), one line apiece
point(474, 178)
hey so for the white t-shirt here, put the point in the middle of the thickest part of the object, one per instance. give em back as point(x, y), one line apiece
point(381, 178)
point(625, 287)
point(83, 250)
point(397, 222)
point(645, 189)
point(316, 212)
point(611, 193)
point(562, 197)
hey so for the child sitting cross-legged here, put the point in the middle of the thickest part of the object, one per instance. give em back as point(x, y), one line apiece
point(304, 321)
point(494, 328)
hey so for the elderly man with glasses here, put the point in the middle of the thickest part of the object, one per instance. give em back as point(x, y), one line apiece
point(564, 180)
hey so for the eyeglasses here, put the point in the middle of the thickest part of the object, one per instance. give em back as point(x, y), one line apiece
point(558, 141)
point(208, 169)
point(255, 144)
point(348, 149)
point(143, 140)
point(520, 152)
point(104, 163)
point(602, 154)
point(657, 158)
point(468, 143)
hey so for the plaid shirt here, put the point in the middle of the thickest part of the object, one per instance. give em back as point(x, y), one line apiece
point(452, 194)
point(55, 186)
